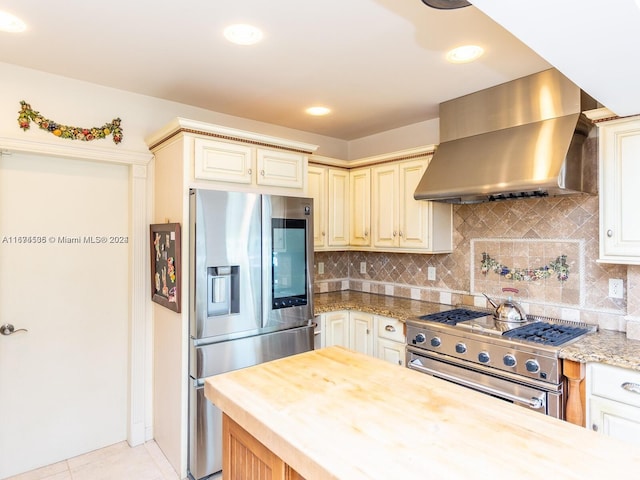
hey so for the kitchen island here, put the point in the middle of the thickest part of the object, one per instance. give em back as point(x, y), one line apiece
point(336, 414)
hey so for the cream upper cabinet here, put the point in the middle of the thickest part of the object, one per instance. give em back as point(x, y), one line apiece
point(230, 162)
point(317, 189)
point(384, 205)
point(360, 194)
point(400, 221)
point(329, 188)
point(619, 172)
point(338, 207)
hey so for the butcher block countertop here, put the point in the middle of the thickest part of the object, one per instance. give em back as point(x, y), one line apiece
point(337, 414)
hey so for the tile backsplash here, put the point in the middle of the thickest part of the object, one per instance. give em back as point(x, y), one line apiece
point(523, 236)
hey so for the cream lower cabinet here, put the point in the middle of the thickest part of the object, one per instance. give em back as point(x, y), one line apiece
point(350, 329)
point(390, 340)
point(329, 188)
point(619, 171)
point(401, 222)
point(613, 402)
point(372, 335)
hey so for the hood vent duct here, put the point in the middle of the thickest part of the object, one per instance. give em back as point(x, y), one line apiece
point(521, 139)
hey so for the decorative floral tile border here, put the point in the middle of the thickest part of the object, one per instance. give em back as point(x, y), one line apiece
point(533, 255)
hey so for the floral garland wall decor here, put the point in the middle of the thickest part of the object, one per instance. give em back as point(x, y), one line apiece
point(27, 115)
point(557, 267)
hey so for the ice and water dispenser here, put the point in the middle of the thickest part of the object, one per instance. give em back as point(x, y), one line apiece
point(223, 284)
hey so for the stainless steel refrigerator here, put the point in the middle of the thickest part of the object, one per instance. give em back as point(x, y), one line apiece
point(251, 264)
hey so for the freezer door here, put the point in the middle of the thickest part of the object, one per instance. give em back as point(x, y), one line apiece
point(215, 358)
point(205, 430)
point(205, 420)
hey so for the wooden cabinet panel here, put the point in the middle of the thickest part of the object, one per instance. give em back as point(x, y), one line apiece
point(245, 458)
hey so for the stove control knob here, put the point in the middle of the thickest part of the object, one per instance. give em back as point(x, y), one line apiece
point(420, 338)
point(483, 357)
point(436, 342)
point(509, 360)
point(461, 348)
point(532, 366)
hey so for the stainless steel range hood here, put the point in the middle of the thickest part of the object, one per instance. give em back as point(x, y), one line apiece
point(521, 139)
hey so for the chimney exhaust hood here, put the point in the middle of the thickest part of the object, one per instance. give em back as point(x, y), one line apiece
point(521, 139)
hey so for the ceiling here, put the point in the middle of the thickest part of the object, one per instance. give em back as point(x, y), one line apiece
point(378, 64)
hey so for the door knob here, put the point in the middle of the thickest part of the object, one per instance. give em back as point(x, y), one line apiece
point(8, 329)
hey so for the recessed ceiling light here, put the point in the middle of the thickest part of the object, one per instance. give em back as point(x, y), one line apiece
point(11, 23)
point(243, 34)
point(464, 54)
point(317, 111)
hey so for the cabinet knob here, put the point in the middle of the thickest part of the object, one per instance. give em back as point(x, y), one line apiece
point(262, 172)
point(400, 232)
point(594, 427)
point(395, 233)
point(250, 171)
point(366, 233)
point(323, 234)
point(609, 233)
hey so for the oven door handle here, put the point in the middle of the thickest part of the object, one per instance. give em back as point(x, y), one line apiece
point(534, 402)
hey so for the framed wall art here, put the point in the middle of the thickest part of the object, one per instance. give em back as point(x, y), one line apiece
point(165, 265)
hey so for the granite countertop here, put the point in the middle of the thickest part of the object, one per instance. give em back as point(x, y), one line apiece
point(604, 346)
point(336, 414)
point(384, 305)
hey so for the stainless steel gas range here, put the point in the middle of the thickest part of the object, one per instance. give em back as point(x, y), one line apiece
point(518, 363)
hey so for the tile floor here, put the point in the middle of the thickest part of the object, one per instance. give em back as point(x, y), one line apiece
point(116, 462)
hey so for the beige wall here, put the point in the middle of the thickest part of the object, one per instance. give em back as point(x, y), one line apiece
point(518, 234)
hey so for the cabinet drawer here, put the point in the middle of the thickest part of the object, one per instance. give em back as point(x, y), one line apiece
point(619, 384)
point(390, 329)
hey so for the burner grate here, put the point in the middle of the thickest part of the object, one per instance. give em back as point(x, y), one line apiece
point(452, 317)
point(546, 333)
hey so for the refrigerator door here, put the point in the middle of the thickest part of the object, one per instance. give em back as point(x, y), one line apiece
point(226, 264)
point(205, 419)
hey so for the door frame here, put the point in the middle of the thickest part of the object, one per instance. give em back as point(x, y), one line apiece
point(140, 361)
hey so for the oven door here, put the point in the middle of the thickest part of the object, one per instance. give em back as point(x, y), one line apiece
point(535, 397)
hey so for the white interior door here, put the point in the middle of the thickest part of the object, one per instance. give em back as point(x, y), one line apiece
point(63, 384)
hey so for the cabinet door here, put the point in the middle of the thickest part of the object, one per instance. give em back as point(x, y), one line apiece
point(280, 169)
point(360, 192)
point(413, 215)
point(317, 189)
point(361, 332)
point(619, 192)
point(392, 352)
point(615, 419)
point(338, 207)
point(222, 161)
point(384, 206)
point(335, 329)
